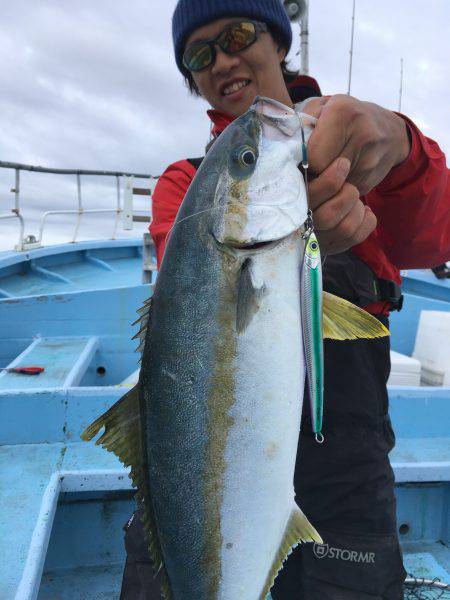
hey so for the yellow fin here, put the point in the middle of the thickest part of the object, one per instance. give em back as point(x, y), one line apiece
point(122, 436)
point(342, 320)
point(298, 529)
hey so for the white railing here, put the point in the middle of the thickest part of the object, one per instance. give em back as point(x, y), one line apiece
point(125, 210)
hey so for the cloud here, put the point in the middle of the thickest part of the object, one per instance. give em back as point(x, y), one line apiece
point(94, 85)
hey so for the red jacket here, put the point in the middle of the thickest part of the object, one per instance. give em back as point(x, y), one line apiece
point(412, 205)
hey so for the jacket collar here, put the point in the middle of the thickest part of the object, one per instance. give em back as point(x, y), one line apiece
point(219, 121)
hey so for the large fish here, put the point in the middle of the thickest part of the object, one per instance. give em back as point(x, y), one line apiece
point(211, 429)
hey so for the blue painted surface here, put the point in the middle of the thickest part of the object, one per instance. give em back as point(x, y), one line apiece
point(71, 268)
point(107, 314)
point(26, 471)
point(91, 291)
point(59, 356)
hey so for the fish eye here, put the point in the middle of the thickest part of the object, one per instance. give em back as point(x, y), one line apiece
point(246, 156)
point(314, 246)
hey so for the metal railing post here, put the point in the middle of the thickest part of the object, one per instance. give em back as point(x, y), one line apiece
point(127, 217)
point(17, 192)
point(80, 208)
point(118, 210)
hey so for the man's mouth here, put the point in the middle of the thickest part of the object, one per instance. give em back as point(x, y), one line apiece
point(234, 87)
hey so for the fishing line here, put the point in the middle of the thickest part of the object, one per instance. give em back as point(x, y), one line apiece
point(190, 217)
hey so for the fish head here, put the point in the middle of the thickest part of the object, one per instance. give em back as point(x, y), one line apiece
point(261, 195)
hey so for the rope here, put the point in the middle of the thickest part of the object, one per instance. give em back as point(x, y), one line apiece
point(416, 588)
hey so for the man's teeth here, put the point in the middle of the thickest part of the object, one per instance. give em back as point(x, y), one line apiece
point(235, 87)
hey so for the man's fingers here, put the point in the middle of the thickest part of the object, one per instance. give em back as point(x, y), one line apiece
point(353, 230)
point(331, 213)
point(330, 135)
point(328, 183)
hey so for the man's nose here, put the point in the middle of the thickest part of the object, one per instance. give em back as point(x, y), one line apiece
point(224, 62)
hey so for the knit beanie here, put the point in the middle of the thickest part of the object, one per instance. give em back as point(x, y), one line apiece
point(191, 14)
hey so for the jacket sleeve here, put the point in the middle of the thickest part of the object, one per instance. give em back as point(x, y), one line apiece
point(167, 198)
point(412, 205)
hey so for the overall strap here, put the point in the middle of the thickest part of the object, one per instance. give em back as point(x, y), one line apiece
point(349, 277)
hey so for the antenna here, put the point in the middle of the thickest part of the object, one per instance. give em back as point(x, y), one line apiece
point(401, 87)
point(351, 50)
point(297, 11)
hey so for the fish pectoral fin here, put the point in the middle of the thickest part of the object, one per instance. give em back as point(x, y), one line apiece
point(122, 436)
point(298, 530)
point(249, 295)
point(342, 320)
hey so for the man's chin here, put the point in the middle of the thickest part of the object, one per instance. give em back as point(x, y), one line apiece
point(239, 108)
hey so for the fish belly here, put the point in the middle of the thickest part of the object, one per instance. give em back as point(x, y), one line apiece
point(258, 492)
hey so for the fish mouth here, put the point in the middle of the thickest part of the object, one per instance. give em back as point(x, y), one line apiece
point(251, 247)
point(254, 246)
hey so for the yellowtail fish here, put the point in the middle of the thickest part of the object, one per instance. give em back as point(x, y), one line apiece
point(211, 429)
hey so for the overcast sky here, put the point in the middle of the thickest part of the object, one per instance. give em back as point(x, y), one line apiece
point(94, 85)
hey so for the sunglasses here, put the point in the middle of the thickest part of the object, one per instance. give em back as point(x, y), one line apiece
point(232, 39)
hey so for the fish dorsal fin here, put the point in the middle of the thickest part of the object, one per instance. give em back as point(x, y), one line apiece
point(298, 530)
point(122, 436)
point(249, 294)
point(342, 320)
point(144, 316)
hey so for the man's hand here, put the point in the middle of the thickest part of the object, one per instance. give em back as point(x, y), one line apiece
point(341, 220)
point(352, 148)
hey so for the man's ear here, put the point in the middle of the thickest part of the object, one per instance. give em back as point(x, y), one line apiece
point(281, 53)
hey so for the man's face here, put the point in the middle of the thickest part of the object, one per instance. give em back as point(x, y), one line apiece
point(255, 71)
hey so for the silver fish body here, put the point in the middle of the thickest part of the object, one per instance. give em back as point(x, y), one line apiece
point(212, 430)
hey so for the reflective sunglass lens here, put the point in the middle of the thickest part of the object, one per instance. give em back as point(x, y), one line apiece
point(233, 39)
point(197, 57)
point(238, 37)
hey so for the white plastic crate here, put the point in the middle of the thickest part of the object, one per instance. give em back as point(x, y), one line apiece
point(432, 347)
point(404, 370)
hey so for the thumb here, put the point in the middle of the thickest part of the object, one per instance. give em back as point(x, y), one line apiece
point(314, 106)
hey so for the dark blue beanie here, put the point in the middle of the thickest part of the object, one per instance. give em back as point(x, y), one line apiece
point(191, 14)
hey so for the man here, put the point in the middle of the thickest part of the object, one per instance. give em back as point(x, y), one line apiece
point(380, 189)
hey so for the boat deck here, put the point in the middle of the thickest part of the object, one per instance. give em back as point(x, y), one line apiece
point(64, 502)
point(37, 475)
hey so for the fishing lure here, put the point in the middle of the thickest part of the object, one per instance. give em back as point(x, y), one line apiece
point(311, 301)
point(312, 311)
point(324, 315)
